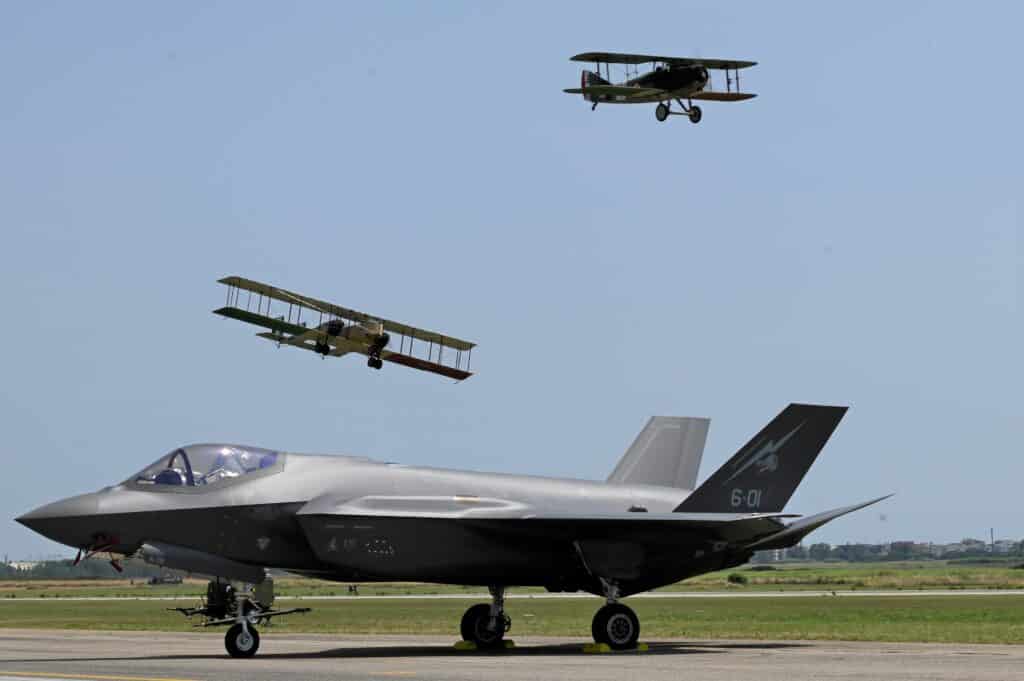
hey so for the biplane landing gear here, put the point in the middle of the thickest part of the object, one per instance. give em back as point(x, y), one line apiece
point(661, 112)
point(692, 111)
point(485, 624)
point(375, 363)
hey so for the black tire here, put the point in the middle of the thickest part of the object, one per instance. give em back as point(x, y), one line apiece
point(474, 627)
point(616, 625)
point(240, 642)
point(695, 114)
point(661, 113)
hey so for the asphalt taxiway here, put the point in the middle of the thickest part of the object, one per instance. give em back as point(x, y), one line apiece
point(144, 656)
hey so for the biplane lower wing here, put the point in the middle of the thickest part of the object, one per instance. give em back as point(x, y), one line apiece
point(425, 365)
point(717, 96)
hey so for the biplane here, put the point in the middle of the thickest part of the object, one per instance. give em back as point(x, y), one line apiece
point(332, 331)
point(673, 78)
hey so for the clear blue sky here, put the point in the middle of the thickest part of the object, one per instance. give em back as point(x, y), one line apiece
point(851, 236)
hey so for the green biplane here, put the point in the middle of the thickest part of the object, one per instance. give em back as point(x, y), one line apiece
point(673, 78)
point(332, 331)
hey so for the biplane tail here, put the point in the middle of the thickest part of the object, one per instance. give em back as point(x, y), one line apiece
point(589, 78)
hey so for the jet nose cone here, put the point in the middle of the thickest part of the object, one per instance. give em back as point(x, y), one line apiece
point(62, 520)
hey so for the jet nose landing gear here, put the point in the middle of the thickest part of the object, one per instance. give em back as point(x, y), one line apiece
point(224, 605)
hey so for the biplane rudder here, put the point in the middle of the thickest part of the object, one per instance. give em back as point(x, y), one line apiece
point(589, 78)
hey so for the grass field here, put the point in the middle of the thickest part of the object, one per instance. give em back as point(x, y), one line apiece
point(961, 619)
point(832, 576)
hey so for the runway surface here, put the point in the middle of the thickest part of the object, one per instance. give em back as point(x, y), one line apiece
point(140, 656)
point(513, 595)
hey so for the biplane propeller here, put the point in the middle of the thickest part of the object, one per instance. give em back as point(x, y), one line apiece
point(673, 78)
point(332, 331)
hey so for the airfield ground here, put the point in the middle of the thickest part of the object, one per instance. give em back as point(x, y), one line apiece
point(139, 656)
point(920, 602)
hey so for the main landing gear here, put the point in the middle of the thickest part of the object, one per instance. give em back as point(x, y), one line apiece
point(615, 624)
point(224, 605)
point(486, 624)
point(664, 110)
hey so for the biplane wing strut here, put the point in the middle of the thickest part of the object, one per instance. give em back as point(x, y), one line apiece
point(332, 330)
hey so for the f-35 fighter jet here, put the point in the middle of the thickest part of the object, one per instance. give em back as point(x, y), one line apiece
point(231, 511)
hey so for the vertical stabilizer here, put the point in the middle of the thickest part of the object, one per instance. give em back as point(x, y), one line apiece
point(667, 452)
point(763, 475)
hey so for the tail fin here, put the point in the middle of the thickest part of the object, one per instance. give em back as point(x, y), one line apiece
point(667, 452)
point(762, 476)
point(588, 78)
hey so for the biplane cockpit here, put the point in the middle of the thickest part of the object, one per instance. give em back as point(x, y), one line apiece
point(201, 466)
point(332, 330)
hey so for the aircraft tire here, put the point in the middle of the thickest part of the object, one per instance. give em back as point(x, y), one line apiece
point(616, 625)
point(474, 627)
point(661, 113)
point(695, 114)
point(239, 643)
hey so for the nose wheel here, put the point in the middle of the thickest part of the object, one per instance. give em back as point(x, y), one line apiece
point(242, 640)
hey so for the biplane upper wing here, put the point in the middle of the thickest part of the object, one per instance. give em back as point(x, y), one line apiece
point(291, 297)
point(623, 58)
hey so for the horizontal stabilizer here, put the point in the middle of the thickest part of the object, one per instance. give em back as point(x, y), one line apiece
point(796, 531)
point(614, 91)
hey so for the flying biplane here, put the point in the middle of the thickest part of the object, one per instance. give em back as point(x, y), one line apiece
point(332, 331)
point(673, 78)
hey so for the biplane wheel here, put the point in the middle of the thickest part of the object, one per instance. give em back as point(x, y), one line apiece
point(661, 112)
point(375, 363)
point(242, 641)
point(695, 114)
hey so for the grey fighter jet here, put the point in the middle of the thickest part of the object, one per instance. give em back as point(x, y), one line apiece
point(232, 511)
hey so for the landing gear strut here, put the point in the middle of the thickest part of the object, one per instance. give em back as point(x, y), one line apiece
point(485, 624)
point(224, 605)
point(615, 624)
point(664, 110)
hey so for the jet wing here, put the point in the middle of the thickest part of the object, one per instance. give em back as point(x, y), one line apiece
point(625, 58)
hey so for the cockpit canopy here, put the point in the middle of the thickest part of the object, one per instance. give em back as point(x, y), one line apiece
point(201, 466)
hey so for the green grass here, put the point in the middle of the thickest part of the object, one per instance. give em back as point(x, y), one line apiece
point(961, 619)
point(786, 577)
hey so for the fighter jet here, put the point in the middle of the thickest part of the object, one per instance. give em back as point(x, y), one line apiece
point(232, 511)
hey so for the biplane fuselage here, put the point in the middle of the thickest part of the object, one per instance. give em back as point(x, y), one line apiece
point(670, 83)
